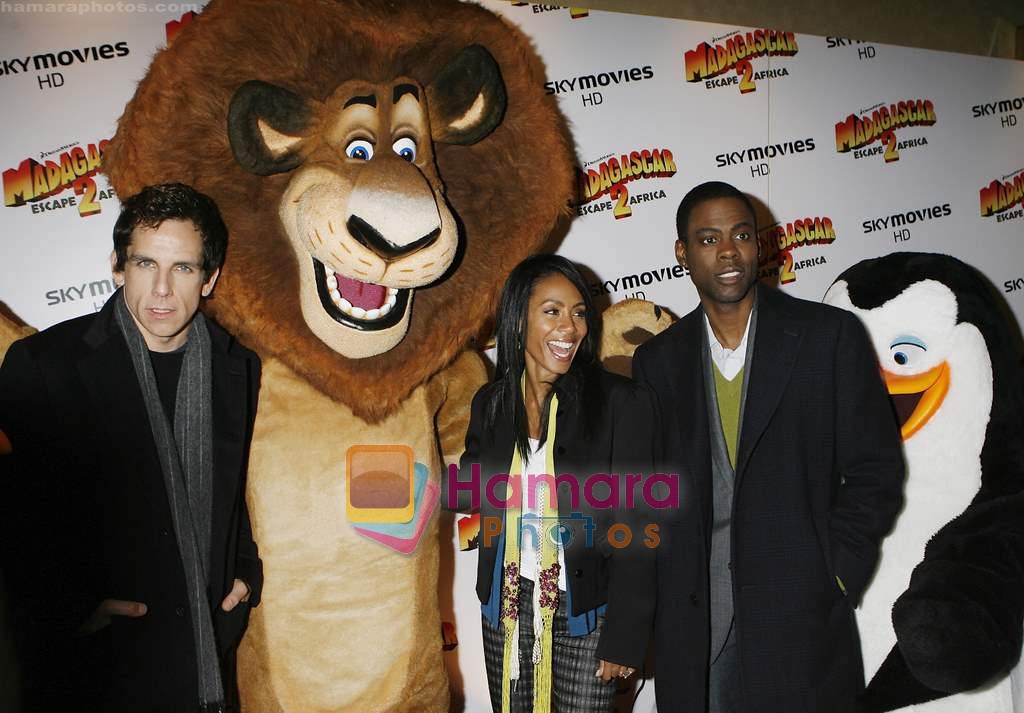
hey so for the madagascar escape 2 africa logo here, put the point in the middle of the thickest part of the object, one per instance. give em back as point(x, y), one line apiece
point(782, 239)
point(880, 123)
point(609, 176)
point(574, 12)
point(711, 63)
point(1001, 196)
point(41, 183)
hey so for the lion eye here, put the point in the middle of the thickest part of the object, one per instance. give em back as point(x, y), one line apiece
point(359, 149)
point(406, 148)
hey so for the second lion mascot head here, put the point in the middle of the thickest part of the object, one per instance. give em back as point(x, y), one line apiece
point(381, 167)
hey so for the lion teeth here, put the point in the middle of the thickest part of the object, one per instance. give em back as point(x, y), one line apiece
point(358, 312)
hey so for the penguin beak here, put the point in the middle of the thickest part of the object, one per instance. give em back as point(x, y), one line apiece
point(917, 396)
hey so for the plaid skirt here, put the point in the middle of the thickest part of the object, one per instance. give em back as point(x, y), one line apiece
point(575, 688)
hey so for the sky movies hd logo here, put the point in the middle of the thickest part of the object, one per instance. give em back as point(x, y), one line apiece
point(46, 61)
point(599, 80)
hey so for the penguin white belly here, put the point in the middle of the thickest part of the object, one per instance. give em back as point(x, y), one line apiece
point(933, 499)
point(940, 484)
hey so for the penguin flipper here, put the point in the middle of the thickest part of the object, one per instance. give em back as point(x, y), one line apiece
point(961, 621)
point(894, 687)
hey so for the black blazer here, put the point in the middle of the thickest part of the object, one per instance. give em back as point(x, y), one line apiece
point(620, 443)
point(818, 484)
point(86, 518)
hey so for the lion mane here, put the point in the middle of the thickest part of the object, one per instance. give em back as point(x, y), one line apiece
point(507, 190)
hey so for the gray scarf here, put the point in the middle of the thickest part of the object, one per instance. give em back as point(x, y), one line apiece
point(186, 459)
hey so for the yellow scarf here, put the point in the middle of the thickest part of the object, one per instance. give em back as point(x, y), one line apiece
point(547, 578)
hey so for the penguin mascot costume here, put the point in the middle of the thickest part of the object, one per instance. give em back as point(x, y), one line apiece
point(941, 623)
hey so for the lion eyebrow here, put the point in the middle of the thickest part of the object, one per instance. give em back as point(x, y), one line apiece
point(403, 89)
point(368, 99)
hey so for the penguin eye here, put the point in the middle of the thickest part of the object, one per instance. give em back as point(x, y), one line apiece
point(907, 351)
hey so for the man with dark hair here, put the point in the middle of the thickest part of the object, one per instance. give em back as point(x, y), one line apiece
point(172, 201)
point(128, 550)
point(775, 417)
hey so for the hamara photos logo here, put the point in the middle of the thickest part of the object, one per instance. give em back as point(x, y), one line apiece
point(390, 497)
point(598, 491)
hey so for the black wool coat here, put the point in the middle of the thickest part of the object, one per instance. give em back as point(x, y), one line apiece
point(85, 517)
point(818, 484)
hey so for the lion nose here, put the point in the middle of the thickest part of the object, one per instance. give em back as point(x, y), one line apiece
point(393, 209)
point(387, 250)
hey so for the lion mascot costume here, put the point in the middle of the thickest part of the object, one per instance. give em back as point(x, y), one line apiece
point(626, 325)
point(381, 167)
point(941, 624)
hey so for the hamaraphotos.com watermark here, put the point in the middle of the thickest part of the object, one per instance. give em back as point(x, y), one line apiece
point(96, 7)
point(502, 490)
point(596, 492)
point(390, 497)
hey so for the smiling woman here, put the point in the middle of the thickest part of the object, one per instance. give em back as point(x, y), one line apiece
point(568, 610)
point(556, 323)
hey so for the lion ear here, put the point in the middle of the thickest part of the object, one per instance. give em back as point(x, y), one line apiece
point(266, 127)
point(467, 98)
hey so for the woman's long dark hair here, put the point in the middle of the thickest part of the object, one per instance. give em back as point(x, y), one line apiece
point(581, 383)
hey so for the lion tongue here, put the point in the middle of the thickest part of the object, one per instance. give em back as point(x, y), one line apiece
point(361, 294)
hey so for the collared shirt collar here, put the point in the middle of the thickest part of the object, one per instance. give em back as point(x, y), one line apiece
point(728, 361)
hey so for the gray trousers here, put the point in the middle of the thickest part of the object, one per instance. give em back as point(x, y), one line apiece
point(575, 688)
point(724, 680)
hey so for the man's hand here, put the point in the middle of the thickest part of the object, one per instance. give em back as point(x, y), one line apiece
point(606, 671)
point(108, 608)
point(239, 593)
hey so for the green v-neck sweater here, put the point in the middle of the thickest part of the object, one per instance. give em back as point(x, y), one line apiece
point(728, 394)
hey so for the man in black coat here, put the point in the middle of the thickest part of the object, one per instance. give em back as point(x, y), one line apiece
point(127, 547)
point(775, 417)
